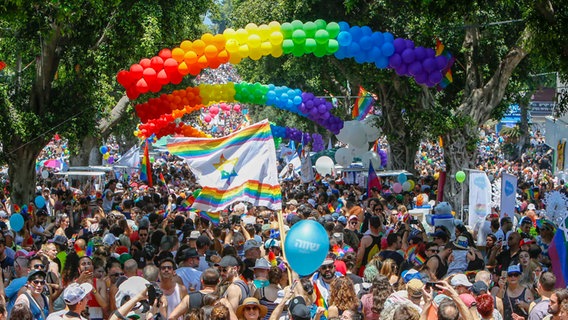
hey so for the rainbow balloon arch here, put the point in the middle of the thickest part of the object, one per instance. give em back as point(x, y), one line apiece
point(159, 115)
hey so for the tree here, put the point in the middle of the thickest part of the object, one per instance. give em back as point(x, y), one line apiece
point(62, 60)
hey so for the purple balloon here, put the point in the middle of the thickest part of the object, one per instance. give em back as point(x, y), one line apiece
point(415, 68)
point(384, 157)
point(303, 108)
point(435, 77)
point(430, 53)
point(395, 60)
point(399, 45)
point(429, 65)
point(408, 56)
point(401, 70)
point(421, 78)
point(309, 104)
point(313, 112)
point(441, 62)
point(325, 115)
point(322, 108)
point(387, 49)
point(409, 44)
point(419, 53)
point(110, 160)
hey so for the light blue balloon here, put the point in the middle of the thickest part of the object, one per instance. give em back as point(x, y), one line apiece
point(39, 202)
point(16, 222)
point(402, 178)
point(306, 246)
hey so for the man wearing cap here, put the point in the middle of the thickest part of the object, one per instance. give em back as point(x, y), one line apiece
point(350, 232)
point(525, 228)
point(75, 297)
point(261, 268)
point(192, 240)
point(34, 296)
point(507, 257)
point(325, 275)
point(238, 290)
point(189, 261)
point(173, 291)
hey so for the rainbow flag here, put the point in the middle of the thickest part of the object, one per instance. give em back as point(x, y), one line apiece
point(320, 301)
point(238, 167)
point(339, 206)
point(211, 216)
point(558, 253)
point(162, 179)
point(146, 167)
point(363, 104)
point(330, 208)
point(272, 259)
point(447, 71)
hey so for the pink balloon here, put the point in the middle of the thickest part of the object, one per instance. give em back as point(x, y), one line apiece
point(397, 187)
point(237, 108)
point(225, 107)
point(207, 118)
point(214, 110)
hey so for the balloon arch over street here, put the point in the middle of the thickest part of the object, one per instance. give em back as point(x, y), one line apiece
point(319, 38)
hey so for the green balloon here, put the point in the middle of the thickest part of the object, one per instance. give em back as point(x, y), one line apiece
point(320, 51)
point(299, 36)
point(333, 29)
point(332, 46)
point(286, 28)
point(298, 50)
point(460, 176)
point(310, 45)
point(320, 23)
point(288, 46)
point(310, 29)
point(322, 36)
point(297, 24)
point(152, 159)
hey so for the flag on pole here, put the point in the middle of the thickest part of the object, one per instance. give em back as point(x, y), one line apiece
point(162, 179)
point(238, 167)
point(146, 167)
point(508, 195)
point(372, 180)
point(214, 217)
point(447, 71)
point(363, 104)
point(559, 257)
point(130, 159)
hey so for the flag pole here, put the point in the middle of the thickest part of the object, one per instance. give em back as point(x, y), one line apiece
point(282, 240)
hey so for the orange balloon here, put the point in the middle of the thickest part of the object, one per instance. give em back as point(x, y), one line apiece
point(190, 57)
point(223, 56)
point(194, 69)
point(178, 54)
point(202, 62)
point(207, 38)
point(185, 45)
point(210, 51)
point(198, 46)
point(183, 69)
point(219, 41)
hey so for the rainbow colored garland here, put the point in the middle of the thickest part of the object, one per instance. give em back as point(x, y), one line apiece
point(318, 38)
point(158, 114)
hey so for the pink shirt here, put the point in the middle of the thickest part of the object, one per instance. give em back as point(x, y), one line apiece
point(367, 302)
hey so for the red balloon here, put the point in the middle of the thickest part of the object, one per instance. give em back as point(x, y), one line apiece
point(123, 77)
point(145, 63)
point(155, 87)
point(237, 108)
point(149, 75)
point(142, 86)
point(132, 93)
point(214, 110)
point(136, 71)
point(207, 118)
point(165, 54)
point(162, 77)
point(157, 64)
point(175, 78)
point(171, 66)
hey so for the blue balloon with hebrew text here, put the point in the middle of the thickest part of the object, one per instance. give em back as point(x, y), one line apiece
point(306, 246)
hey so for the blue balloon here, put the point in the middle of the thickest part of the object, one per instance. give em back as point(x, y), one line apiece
point(306, 246)
point(17, 222)
point(39, 202)
point(402, 178)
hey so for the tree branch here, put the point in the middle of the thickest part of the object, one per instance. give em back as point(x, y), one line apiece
point(104, 34)
point(470, 44)
point(116, 113)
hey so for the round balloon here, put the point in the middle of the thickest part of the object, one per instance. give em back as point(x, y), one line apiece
point(460, 176)
point(306, 246)
point(397, 188)
point(324, 165)
point(17, 222)
point(45, 174)
point(39, 202)
point(406, 186)
point(343, 157)
point(402, 178)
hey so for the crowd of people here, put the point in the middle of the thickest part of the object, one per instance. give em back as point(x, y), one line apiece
point(136, 251)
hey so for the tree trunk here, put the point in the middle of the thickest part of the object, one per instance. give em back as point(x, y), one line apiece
point(22, 174)
point(459, 154)
point(88, 154)
point(402, 155)
point(524, 138)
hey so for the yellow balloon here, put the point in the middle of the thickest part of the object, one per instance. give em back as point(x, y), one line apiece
point(276, 38)
point(106, 156)
point(244, 51)
point(277, 51)
point(229, 33)
point(265, 48)
point(242, 36)
point(207, 38)
point(255, 54)
point(251, 27)
point(274, 26)
point(264, 32)
point(232, 46)
point(235, 58)
point(254, 41)
point(185, 45)
point(178, 54)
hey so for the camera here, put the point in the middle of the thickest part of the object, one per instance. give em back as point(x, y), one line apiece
point(154, 292)
point(414, 221)
point(235, 220)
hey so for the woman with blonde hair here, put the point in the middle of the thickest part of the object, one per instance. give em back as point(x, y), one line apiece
point(342, 295)
point(62, 223)
point(390, 270)
point(374, 301)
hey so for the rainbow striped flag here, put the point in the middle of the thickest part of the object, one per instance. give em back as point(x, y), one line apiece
point(447, 72)
point(330, 208)
point(320, 301)
point(238, 167)
point(211, 216)
point(363, 104)
point(162, 179)
point(146, 167)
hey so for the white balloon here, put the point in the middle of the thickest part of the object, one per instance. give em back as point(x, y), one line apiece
point(357, 137)
point(45, 174)
point(372, 157)
point(371, 131)
point(343, 135)
point(324, 165)
point(343, 157)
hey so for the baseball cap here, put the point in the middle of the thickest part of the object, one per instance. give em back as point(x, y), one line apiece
point(194, 235)
point(292, 218)
point(129, 289)
point(478, 288)
point(460, 280)
point(330, 259)
point(342, 220)
point(335, 216)
point(75, 292)
point(292, 202)
point(531, 206)
point(34, 273)
point(251, 243)
point(312, 202)
point(439, 234)
point(411, 274)
point(353, 217)
point(514, 268)
point(468, 299)
point(526, 241)
point(188, 253)
point(271, 243)
point(526, 220)
point(59, 239)
point(228, 261)
point(298, 309)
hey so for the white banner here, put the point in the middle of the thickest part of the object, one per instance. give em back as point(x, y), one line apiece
point(479, 196)
point(508, 195)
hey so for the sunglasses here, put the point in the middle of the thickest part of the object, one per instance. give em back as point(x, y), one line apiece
point(166, 267)
point(39, 266)
point(353, 223)
point(513, 275)
point(434, 250)
point(118, 274)
point(223, 269)
point(38, 282)
point(328, 267)
point(251, 308)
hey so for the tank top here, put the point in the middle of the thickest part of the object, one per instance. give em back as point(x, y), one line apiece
point(371, 250)
point(95, 310)
point(270, 305)
point(174, 300)
point(38, 312)
point(442, 267)
point(509, 305)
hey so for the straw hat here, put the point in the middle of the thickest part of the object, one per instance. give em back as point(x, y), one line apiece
point(251, 302)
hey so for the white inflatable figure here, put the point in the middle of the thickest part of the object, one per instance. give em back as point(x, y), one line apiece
point(442, 217)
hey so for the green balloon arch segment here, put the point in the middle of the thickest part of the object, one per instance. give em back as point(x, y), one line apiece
point(319, 38)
